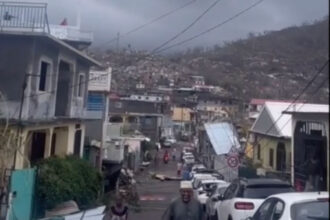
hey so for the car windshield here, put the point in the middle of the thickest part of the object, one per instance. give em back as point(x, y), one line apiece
point(209, 186)
point(310, 210)
point(263, 191)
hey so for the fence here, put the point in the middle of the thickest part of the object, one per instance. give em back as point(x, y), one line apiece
point(23, 16)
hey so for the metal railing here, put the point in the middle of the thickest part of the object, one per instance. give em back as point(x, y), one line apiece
point(71, 33)
point(23, 16)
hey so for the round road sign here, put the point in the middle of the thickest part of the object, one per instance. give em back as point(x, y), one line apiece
point(232, 161)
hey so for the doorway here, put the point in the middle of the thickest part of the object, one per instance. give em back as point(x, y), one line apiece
point(280, 157)
point(77, 143)
point(38, 143)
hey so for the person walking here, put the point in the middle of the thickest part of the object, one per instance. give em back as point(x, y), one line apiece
point(166, 157)
point(186, 207)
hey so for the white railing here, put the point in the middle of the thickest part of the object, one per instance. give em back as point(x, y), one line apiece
point(23, 16)
point(71, 33)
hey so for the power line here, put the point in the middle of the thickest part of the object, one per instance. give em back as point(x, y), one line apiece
point(148, 23)
point(212, 28)
point(188, 27)
point(303, 90)
point(293, 102)
point(314, 93)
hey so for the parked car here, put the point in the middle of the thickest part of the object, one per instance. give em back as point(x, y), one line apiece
point(207, 171)
point(187, 154)
point(204, 188)
point(188, 149)
point(244, 196)
point(197, 166)
point(199, 177)
point(189, 159)
point(294, 206)
point(213, 200)
point(167, 144)
point(172, 140)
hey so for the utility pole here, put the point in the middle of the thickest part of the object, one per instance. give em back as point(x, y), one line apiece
point(19, 123)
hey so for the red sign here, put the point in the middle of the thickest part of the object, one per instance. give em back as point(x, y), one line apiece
point(232, 161)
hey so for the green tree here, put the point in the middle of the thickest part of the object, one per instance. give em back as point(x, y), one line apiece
point(69, 178)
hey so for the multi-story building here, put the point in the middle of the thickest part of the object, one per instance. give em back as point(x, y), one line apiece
point(44, 81)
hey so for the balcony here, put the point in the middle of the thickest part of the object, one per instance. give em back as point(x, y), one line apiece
point(23, 16)
point(71, 33)
point(32, 17)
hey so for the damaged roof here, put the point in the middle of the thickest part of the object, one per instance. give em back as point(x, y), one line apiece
point(222, 136)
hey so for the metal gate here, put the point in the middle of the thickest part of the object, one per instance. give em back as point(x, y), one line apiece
point(21, 194)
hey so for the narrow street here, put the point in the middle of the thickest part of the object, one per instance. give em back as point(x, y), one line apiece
point(156, 195)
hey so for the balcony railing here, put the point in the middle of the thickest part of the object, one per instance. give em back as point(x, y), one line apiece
point(23, 16)
point(71, 33)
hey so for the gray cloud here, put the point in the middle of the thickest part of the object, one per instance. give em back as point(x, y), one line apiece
point(107, 17)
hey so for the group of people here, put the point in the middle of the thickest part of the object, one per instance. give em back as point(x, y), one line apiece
point(185, 207)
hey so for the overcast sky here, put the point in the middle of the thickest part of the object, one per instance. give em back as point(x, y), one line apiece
point(108, 17)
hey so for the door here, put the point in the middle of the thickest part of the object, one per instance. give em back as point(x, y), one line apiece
point(280, 157)
point(225, 206)
point(77, 143)
point(37, 146)
point(63, 90)
point(22, 187)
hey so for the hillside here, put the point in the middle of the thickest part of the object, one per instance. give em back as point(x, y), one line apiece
point(274, 64)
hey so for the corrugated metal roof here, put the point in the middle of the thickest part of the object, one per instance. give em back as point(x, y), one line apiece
point(222, 136)
point(308, 108)
point(272, 116)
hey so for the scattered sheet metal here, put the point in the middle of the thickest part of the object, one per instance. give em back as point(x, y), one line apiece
point(164, 177)
point(64, 208)
point(92, 214)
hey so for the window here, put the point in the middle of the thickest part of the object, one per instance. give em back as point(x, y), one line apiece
point(258, 151)
point(278, 210)
point(263, 212)
point(271, 157)
point(310, 210)
point(81, 86)
point(44, 71)
point(230, 192)
point(263, 191)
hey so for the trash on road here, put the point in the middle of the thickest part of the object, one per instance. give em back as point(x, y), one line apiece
point(164, 177)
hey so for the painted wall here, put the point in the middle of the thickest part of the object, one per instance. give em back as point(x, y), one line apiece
point(28, 53)
point(64, 141)
point(181, 114)
point(267, 143)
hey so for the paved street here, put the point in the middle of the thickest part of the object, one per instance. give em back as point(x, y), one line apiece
point(155, 195)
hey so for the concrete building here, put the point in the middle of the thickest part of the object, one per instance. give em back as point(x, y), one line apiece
point(44, 81)
point(269, 141)
point(97, 109)
point(310, 139)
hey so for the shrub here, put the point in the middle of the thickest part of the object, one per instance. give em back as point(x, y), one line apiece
point(69, 178)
